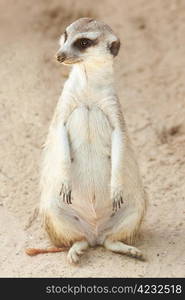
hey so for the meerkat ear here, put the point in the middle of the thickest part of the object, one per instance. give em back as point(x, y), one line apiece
point(114, 47)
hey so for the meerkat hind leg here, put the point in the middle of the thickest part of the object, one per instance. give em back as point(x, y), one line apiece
point(76, 250)
point(120, 247)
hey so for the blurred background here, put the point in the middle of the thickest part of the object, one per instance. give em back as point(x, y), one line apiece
point(150, 75)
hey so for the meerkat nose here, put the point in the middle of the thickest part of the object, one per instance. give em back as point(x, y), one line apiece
point(61, 56)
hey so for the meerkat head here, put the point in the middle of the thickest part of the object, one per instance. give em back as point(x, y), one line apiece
point(87, 40)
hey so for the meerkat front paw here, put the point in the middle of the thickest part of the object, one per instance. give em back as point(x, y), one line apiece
point(65, 193)
point(117, 200)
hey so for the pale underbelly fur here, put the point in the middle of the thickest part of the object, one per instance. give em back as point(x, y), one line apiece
point(90, 143)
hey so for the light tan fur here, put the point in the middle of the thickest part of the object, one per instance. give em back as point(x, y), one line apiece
point(92, 192)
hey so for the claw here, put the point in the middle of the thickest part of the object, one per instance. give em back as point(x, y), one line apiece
point(64, 197)
point(117, 201)
point(70, 197)
point(61, 190)
point(65, 193)
point(114, 206)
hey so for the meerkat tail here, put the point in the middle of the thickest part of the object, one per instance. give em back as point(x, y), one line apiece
point(35, 251)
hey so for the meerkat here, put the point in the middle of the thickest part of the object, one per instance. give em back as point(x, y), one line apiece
point(91, 189)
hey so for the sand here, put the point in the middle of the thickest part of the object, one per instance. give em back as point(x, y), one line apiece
point(150, 81)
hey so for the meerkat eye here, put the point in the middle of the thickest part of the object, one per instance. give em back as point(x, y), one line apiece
point(83, 43)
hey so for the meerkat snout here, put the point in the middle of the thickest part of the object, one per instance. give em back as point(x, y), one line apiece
point(60, 56)
point(87, 39)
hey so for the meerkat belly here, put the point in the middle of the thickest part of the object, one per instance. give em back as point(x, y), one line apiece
point(90, 142)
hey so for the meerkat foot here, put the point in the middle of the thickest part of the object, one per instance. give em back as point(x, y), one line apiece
point(76, 251)
point(120, 247)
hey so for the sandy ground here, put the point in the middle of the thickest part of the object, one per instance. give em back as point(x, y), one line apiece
point(150, 78)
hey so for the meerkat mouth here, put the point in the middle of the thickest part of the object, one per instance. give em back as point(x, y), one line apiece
point(71, 61)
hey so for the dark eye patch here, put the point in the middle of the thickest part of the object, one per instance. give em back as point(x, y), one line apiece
point(84, 43)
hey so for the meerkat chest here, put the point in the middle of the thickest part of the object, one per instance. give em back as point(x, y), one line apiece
point(88, 126)
point(89, 132)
